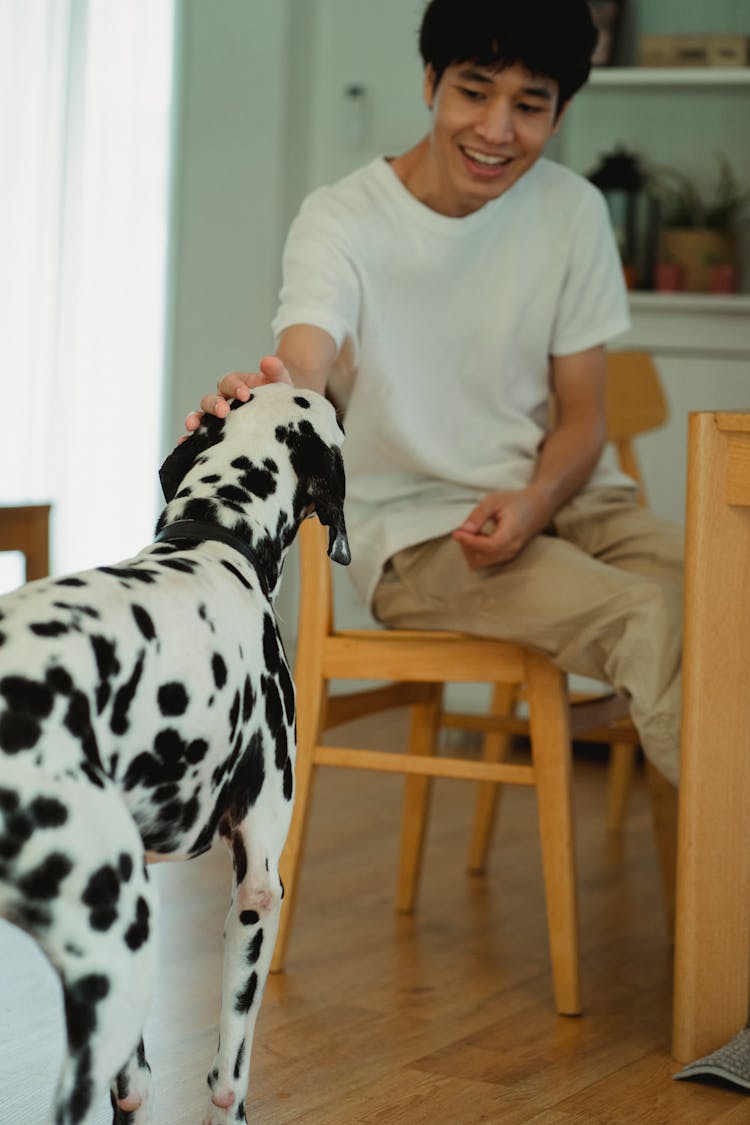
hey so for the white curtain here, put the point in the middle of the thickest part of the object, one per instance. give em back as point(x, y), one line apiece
point(85, 137)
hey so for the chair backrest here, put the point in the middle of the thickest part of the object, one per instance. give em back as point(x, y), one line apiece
point(635, 404)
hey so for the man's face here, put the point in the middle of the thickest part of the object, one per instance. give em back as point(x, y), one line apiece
point(489, 126)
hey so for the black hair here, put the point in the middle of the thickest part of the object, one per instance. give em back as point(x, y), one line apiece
point(554, 38)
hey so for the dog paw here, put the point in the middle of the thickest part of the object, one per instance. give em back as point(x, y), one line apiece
point(133, 1111)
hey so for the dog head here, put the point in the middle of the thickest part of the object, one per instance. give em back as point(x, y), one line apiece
point(261, 470)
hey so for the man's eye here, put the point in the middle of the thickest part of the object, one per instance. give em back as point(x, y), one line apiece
point(472, 95)
point(525, 107)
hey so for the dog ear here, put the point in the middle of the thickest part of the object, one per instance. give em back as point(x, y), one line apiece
point(183, 457)
point(326, 490)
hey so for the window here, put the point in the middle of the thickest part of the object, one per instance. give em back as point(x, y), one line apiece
point(85, 134)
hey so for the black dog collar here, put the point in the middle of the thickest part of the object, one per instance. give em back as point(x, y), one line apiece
point(198, 531)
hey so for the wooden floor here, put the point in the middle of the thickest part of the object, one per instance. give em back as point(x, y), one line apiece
point(442, 1018)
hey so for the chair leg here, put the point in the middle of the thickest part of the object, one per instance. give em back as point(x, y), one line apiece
point(311, 695)
point(550, 742)
point(663, 799)
point(425, 720)
point(495, 748)
point(621, 767)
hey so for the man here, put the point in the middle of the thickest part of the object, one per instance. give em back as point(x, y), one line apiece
point(466, 289)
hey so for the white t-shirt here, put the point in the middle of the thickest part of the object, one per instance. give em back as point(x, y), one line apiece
point(446, 327)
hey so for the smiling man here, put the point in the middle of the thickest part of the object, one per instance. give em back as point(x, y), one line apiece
point(466, 288)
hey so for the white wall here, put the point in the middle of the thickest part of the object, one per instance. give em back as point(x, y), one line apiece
point(228, 197)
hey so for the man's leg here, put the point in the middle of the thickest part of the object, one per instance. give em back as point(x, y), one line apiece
point(602, 619)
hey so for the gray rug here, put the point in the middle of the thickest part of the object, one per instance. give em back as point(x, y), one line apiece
point(731, 1063)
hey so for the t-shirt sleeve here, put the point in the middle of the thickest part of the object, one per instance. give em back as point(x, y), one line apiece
point(320, 284)
point(593, 304)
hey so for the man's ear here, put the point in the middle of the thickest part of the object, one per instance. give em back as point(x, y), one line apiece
point(183, 457)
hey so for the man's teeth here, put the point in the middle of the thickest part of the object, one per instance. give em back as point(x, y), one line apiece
point(482, 158)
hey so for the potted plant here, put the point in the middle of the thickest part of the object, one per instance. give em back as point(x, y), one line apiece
point(699, 231)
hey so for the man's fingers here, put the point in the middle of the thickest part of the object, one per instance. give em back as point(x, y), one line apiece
point(215, 404)
point(237, 384)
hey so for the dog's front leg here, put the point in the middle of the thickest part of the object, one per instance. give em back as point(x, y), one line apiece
point(249, 939)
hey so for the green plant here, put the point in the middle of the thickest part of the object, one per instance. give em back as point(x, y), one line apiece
point(683, 205)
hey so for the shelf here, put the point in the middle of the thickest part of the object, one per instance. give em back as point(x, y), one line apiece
point(616, 77)
point(734, 304)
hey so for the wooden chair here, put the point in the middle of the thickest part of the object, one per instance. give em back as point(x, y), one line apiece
point(25, 528)
point(415, 665)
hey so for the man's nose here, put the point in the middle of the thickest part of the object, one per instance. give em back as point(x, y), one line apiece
point(496, 125)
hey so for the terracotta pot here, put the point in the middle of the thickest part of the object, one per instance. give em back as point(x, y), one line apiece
point(631, 276)
point(695, 251)
point(724, 278)
point(669, 277)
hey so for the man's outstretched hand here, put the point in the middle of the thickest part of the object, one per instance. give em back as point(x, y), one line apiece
point(238, 384)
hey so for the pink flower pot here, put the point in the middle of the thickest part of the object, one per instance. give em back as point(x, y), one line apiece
point(669, 277)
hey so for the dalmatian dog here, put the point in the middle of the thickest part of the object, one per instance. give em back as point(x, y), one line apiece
point(147, 707)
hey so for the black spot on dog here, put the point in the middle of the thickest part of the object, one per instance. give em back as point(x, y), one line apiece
point(234, 494)
point(257, 480)
point(248, 699)
point(201, 510)
point(125, 865)
point(9, 800)
point(233, 570)
point(49, 628)
point(43, 881)
point(254, 948)
point(288, 786)
point(48, 812)
point(79, 610)
point(219, 669)
point(274, 709)
point(78, 722)
point(287, 689)
point(28, 701)
point(70, 582)
point(303, 402)
point(18, 732)
point(196, 751)
point(59, 681)
point(119, 723)
point(136, 573)
point(234, 715)
point(249, 917)
point(107, 665)
point(100, 895)
point(239, 1059)
point(244, 1000)
point(203, 614)
point(172, 699)
point(271, 654)
point(80, 1000)
point(184, 566)
point(144, 622)
point(247, 778)
point(212, 478)
point(138, 931)
point(25, 695)
point(240, 857)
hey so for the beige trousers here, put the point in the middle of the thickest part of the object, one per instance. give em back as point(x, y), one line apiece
point(601, 594)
